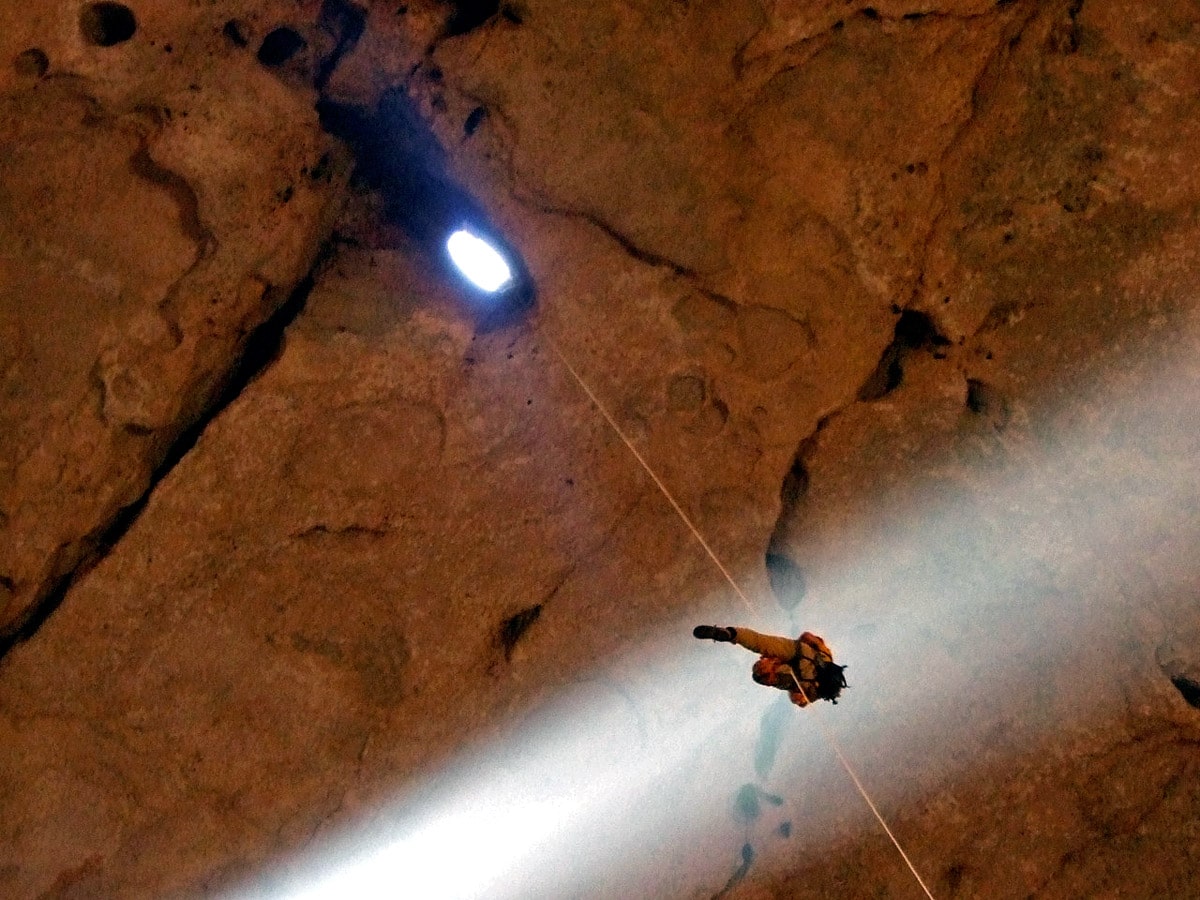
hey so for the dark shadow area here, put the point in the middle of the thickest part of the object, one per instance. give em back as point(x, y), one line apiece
point(279, 46)
point(914, 331)
point(770, 735)
point(235, 32)
point(739, 873)
point(306, 53)
point(107, 24)
point(787, 580)
point(399, 157)
point(795, 483)
point(748, 801)
point(987, 403)
point(467, 15)
point(1189, 689)
point(514, 627)
point(345, 22)
point(31, 63)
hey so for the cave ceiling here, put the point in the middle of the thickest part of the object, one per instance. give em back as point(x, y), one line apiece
point(898, 302)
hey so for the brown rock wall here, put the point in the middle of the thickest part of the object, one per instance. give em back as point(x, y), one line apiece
point(897, 300)
point(162, 195)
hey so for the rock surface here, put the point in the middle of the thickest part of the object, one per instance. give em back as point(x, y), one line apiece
point(899, 303)
point(161, 194)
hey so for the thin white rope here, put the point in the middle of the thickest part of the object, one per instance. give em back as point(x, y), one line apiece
point(737, 590)
point(662, 487)
point(837, 750)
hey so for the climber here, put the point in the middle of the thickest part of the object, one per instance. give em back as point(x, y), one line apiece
point(803, 667)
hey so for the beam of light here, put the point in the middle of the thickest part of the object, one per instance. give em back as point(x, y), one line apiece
point(738, 591)
point(976, 627)
point(545, 811)
point(478, 261)
point(459, 851)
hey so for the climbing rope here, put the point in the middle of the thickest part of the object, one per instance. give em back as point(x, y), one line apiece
point(837, 750)
point(662, 487)
point(825, 733)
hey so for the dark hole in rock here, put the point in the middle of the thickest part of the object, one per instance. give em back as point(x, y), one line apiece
point(871, 13)
point(721, 408)
point(785, 829)
point(106, 24)
point(345, 22)
point(787, 580)
point(914, 330)
point(474, 119)
point(1189, 689)
point(31, 63)
point(795, 483)
point(399, 157)
point(954, 876)
point(745, 803)
point(323, 170)
point(514, 627)
point(984, 400)
point(513, 14)
point(468, 15)
point(236, 33)
point(279, 46)
point(740, 872)
point(976, 396)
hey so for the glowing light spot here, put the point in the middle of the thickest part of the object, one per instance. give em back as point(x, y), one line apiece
point(480, 262)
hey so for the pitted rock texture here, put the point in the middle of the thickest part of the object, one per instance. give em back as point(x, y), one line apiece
point(899, 302)
point(161, 194)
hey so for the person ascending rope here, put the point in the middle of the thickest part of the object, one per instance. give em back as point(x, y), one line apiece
point(803, 667)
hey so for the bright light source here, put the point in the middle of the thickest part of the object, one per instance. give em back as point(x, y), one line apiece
point(480, 263)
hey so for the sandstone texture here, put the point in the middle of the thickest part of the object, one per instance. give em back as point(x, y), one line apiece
point(163, 193)
point(298, 555)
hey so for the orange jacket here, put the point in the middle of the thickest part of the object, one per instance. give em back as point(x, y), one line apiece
point(798, 675)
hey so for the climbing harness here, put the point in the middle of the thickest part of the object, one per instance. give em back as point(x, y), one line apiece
point(828, 736)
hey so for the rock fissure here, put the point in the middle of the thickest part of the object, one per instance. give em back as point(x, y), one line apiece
point(1021, 169)
point(639, 254)
point(262, 348)
point(650, 258)
point(352, 530)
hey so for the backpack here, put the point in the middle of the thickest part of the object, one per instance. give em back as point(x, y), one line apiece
point(815, 666)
